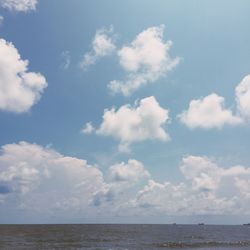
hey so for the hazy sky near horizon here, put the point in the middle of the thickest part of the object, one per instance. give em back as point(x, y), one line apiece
point(124, 111)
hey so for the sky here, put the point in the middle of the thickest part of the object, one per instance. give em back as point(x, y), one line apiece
point(124, 111)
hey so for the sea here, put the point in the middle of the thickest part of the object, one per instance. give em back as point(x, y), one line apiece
point(124, 236)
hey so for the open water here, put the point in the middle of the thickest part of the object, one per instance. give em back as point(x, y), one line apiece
point(121, 237)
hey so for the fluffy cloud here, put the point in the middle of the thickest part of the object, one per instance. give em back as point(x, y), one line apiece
point(30, 171)
point(203, 173)
point(145, 60)
point(171, 199)
point(208, 189)
point(122, 178)
point(35, 175)
point(225, 187)
point(242, 92)
point(130, 124)
point(208, 112)
point(199, 169)
point(102, 45)
point(32, 176)
point(19, 89)
point(130, 172)
point(160, 197)
point(19, 5)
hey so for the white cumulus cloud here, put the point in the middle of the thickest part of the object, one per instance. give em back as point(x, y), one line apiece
point(128, 124)
point(19, 88)
point(121, 180)
point(19, 5)
point(130, 172)
point(202, 172)
point(208, 189)
point(102, 45)
point(42, 180)
point(145, 60)
point(32, 171)
point(34, 176)
point(208, 112)
point(157, 197)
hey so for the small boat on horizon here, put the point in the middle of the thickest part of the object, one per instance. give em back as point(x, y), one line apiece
point(247, 224)
point(201, 224)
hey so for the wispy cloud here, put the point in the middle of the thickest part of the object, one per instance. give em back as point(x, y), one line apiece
point(102, 45)
point(19, 5)
point(1, 20)
point(242, 92)
point(66, 59)
point(88, 128)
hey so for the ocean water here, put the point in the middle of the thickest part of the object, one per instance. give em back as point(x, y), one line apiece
point(121, 237)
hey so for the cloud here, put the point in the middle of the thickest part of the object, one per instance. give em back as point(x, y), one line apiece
point(203, 173)
point(208, 112)
point(128, 124)
point(121, 180)
point(169, 199)
point(145, 60)
point(102, 45)
point(31, 176)
point(19, 88)
point(103, 196)
point(19, 5)
point(32, 171)
point(160, 197)
point(206, 176)
point(66, 59)
point(1, 20)
point(34, 176)
point(130, 172)
point(88, 128)
point(242, 93)
point(208, 189)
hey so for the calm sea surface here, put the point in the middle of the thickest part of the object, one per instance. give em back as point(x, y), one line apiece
point(124, 237)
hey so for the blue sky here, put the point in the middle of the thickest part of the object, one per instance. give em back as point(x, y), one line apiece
point(169, 141)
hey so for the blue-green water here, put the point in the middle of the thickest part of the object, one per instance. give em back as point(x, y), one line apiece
point(123, 237)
